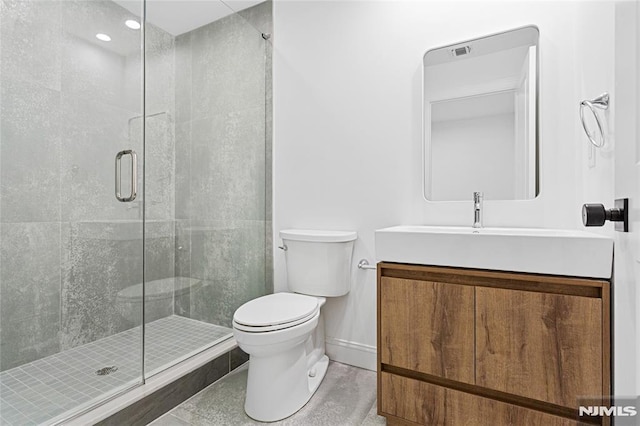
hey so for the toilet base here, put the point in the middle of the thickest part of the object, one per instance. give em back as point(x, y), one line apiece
point(320, 371)
point(279, 386)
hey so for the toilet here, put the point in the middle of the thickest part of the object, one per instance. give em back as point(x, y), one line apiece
point(283, 333)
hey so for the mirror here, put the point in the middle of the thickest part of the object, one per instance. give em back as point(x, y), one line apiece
point(480, 118)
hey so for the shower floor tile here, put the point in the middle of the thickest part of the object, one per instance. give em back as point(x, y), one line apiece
point(46, 389)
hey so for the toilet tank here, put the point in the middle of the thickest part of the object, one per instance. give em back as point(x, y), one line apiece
point(318, 262)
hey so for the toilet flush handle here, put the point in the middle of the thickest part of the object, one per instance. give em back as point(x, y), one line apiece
point(364, 264)
point(283, 247)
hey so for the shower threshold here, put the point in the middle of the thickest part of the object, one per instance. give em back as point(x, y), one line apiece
point(54, 388)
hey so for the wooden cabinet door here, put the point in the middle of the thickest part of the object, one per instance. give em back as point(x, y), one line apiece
point(428, 327)
point(542, 346)
point(428, 404)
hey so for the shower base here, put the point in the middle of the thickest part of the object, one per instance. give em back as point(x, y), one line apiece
point(55, 387)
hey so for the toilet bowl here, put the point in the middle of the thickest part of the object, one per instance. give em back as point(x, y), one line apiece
point(283, 333)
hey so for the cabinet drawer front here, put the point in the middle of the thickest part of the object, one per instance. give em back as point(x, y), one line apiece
point(428, 327)
point(427, 404)
point(542, 346)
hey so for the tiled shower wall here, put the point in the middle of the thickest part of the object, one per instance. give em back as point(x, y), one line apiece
point(223, 163)
point(67, 247)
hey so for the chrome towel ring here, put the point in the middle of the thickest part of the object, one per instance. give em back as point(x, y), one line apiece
point(601, 102)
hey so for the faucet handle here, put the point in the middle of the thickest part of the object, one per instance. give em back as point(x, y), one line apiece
point(477, 196)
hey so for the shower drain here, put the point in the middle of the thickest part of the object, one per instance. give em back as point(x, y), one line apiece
point(107, 370)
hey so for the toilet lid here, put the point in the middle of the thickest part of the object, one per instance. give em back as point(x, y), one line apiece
point(276, 309)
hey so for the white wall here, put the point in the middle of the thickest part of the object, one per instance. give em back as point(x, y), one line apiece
point(347, 126)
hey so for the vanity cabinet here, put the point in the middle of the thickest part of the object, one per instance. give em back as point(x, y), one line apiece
point(428, 327)
point(461, 346)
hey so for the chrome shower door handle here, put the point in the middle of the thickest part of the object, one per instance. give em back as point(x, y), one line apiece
point(134, 175)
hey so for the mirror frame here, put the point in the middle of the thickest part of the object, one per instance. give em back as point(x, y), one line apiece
point(426, 147)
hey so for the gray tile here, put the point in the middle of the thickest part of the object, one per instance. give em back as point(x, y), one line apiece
point(102, 259)
point(237, 358)
point(161, 401)
point(100, 95)
point(30, 152)
point(373, 418)
point(92, 74)
point(219, 404)
point(160, 153)
point(268, 173)
point(260, 16)
point(182, 305)
point(228, 166)
point(266, 11)
point(160, 168)
point(100, 100)
point(170, 420)
point(160, 75)
point(183, 78)
point(269, 133)
point(30, 288)
point(33, 27)
point(93, 133)
point(345, 397)
point(29, 339)
point(159, 250)
point(268, 284)
point(222, 163)
point(183, 248)
point(228, 256)
point(94, 70)
point(67, 379)
point(183, 195)
point(227, 67)
point(170, 338)
point(132, 95)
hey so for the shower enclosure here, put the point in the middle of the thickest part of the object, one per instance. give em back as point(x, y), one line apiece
point(134, 186)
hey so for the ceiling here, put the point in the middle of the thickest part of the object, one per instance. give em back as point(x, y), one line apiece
point(180, 16)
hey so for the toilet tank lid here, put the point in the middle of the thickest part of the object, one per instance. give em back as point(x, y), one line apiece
point(318, 236)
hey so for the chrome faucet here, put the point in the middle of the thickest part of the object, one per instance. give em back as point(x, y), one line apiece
point(477, 209)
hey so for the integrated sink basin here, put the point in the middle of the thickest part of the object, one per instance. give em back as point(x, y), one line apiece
point(541, 251)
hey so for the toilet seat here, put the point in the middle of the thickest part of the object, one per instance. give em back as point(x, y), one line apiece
point(275, 312)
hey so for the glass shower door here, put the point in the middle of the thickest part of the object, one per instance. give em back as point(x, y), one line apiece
point(207, 173)
point(71, 253)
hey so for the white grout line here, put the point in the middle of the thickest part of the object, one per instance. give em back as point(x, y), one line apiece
point(68, 377)
point(153, 384)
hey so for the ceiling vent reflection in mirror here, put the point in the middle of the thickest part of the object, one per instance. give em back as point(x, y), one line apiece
point(460, 51)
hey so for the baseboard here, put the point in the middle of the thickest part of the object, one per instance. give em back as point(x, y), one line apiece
point(352, 353)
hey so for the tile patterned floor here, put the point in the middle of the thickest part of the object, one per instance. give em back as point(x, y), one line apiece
point(346, 397)
point(37, 392)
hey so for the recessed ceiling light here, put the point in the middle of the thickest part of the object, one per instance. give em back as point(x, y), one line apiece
point(134, 25)
point(103, 37)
